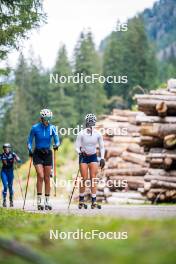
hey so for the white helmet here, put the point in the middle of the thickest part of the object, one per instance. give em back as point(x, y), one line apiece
point(7, 145)
point(90, 120)
point(46, 114)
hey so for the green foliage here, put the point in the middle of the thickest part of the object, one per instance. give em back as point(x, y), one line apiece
point(17, 17)
point(61, 95)
point(130, 54)
point(149, 241)
point(89, 97)
point(160, 23)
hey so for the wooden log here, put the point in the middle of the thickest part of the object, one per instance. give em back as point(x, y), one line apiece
point(151, 195)
point(161, 109)
point(135, 148)
point(125, 172)
point(158, 130)
point(149, 106)
point(162, 197)
point(159, 178)
point(133, 157)
point(161, 156)
point(156, 162)
point(114, 151)
point(161, 172)
point(127, 113)
point(170, 193)
point(170, 141)
point(124, 139)
point(151, 141)
point(158, 190)
point(160, 97)
point(161, 91)
point(147, 186)
point(167, 162)
point(167, 185)
point(142, 118)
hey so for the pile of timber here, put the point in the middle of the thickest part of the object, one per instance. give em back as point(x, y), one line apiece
point(158, 137)
point(125, 159)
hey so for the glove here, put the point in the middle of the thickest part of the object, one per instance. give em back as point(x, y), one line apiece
point(102, 163)
point(55, 147)
point(30, 153)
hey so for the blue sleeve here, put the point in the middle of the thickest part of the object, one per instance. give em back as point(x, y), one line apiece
point(30, 139)
point(55, 136)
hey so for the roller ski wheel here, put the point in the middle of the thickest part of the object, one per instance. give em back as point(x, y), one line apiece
point(40, 207)
point(48, 207)
point(4, 204)
point(82, 206)
point(95, 206)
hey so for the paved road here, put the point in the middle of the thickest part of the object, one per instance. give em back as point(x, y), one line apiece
point(118, 211)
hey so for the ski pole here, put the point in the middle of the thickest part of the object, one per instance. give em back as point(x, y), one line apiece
point(30, 164)
point(34, 192)
point(19, 181)
point(54, 172)
point(73, 189)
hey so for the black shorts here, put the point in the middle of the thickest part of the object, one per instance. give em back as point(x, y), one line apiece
point(88, 159)
point(43, 157)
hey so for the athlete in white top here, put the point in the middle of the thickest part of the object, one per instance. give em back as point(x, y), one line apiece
point(86, 143)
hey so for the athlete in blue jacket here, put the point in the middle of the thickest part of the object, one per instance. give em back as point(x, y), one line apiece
point(8, 158)
point(43, 132)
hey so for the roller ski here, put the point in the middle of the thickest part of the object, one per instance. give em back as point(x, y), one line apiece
point(82, 205)
point(48, 207)
point(11, 203)
point(95, 206)
point(40, 206)
point(47, 204)
point(4, 204)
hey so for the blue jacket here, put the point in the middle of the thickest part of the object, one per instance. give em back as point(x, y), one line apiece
point(43, 136)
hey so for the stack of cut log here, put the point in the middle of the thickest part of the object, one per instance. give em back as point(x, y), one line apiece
point(158, 137)
point(125, 158)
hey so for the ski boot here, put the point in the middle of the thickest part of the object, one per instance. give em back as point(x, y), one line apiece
point(4, 204)
point(82, 205)
point(40, 207)
point(47, 203)
point(95, 206)
point(11, 202)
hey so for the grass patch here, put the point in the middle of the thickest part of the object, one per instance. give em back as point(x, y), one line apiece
point(149, 241)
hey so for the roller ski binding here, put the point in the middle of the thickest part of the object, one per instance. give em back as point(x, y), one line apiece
point(82, 205)
point(47, 204)
point(48, 207)
point(40, 207)
point(4, 204)
point(95, 206)
point(11, 203)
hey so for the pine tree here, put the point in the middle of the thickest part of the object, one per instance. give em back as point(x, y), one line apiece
point(89, 97)
point(130, 54)
point(61, 95)
point(16, 125)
